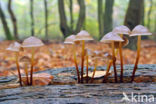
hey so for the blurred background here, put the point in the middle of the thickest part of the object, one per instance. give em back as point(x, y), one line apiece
point(56, 19)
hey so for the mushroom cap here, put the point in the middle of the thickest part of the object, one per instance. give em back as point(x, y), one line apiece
point(25, 59)
point(111, 37)
point(70, 39)
point(140, 30)
point(83, 35)
point(124, 43)
point(98, 74)
point(32, 42)
point(122, 30)
point(14, 47)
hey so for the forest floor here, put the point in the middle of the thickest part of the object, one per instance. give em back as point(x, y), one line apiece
point(57, 55)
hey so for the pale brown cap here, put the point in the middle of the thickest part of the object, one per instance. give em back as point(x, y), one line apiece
point(32, 42)
point(83, 35)
point(16, 47)
point(70, 39)
point(98, 74)
point(111, 37)
point(25, 59)
point(124, 43)
point(140, 30)
point(122, 30)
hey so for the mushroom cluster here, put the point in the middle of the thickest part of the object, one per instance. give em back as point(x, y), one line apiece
point(116, 40)
point(31, 43)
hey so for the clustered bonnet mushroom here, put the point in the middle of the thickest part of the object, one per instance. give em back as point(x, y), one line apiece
point(16, 47)
point(138, 31)
point(121, 30)
point(32, 42)
point(26, 60)
point(112, 38)
point(83, 36)
point(70, 40)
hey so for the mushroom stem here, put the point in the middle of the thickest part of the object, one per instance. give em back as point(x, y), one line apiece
point(82, 59)
point(26, 72)
point(92, 79)
point(76, 65)
point(87, 67)
point(137, 58)
point(32, 66)
point(121, 59)
point(107, 70)
point(108, 67)
point(114, 65)
point(18, 69)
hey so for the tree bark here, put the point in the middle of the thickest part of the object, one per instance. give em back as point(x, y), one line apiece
point(134, 17)
point(46, 19)
point(5, 25)
point(13, 19)
point(100, 18)
point(71, 13)
point(81, 18)
point(108, 21)
point(63, 21)
point(32, 17)
point(66, 30)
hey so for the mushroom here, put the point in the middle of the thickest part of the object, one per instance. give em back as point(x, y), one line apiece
point(95, 66)
point(70, 40)
point(116, 45)
point(16, 47)
point(83, 36)
point(110, 59)
point(112, 37)
point(138, 31)
point(87, 53)
point(121, 30)
point(32, 42)
point(26, 60)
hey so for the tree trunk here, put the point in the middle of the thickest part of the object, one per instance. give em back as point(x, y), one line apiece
point(63, 21)
point(32, 17)
point(149, 14)
point(71, 13)
point(5, 25)
point(108, 21)
point(46, 19)
point(134, 17)
point(100, 18)
point(81, 18)
point(13, 19)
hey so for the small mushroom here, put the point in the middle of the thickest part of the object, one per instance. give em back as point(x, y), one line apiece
point(83, 36)
point(26, 60)
point(32, 42)
point(95, 67)
point(112, 37)
point(16, 47)
point(87, 53)
point(122, 30)
point(110, 59)
point(138, 31)
point(70, 40)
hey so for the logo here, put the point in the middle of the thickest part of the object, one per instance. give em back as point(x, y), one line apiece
point(137, 98)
